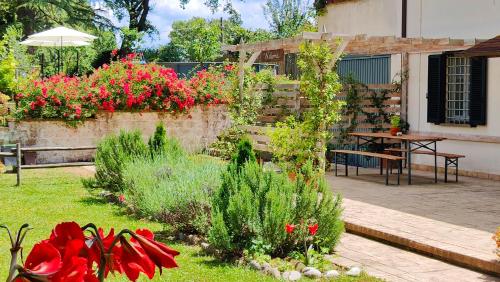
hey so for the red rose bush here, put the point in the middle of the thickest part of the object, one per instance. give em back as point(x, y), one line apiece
point(123, 85)
point(69, 254)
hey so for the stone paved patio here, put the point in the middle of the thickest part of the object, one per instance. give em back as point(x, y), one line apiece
point(473, 203)
point(451, 221)
point(393, 264)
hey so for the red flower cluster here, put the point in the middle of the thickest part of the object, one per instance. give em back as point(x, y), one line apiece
point(289, 228)
point(121, 85)
point(69, 255)
point(54, 97)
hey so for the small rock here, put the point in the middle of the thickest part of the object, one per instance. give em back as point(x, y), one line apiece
point(307, 268)
point(181, 236)
point(265, 266)
point(193, 239)
point(255, 265)
point(205, 246)
point(274, 272)
point(292, 275)
point(354, 271)
point(299, 266)
point(332, 274)
point(312, 273)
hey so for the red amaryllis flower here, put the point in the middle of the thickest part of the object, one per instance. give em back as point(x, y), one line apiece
point(134, 260)
point(289, 228)
point(313, 229)
point(63, 234)
point(159, 253)
point(73, 270)
point(43, 260)
point(112, 259)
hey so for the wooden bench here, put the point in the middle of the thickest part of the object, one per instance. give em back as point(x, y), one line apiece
point(387, 157)
point(450, 160)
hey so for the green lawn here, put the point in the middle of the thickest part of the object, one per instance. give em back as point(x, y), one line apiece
point(49, 196)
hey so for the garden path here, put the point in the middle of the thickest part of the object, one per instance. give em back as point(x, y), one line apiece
point(394, 264)
point(451, 221)
point(471, 202)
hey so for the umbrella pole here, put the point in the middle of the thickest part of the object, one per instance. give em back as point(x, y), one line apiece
point(62, 63)
point(77, 62)
point(42, 63)
point(59, 61)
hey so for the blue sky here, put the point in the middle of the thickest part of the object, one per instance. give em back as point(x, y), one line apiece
point(165, 12)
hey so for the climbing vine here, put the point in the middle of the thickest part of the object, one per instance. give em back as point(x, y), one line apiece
point(356, 94)
point(319, 84)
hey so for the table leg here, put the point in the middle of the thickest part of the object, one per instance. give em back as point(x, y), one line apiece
point(381, 161)
point(357, 156)
point(408, 162)
point(445, 170)
point(386, 172)
point(336, 163)
point(435, 163)
point(346, 165)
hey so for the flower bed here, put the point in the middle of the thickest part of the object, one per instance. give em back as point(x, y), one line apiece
point(121, 85)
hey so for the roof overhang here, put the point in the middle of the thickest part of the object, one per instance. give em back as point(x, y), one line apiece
point(488, 48)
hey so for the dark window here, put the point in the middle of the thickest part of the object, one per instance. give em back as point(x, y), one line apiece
point(456, 90)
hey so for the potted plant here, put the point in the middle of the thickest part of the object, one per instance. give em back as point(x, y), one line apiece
point(395, 125)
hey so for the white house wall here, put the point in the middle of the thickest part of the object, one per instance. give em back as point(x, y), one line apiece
point(464, 19)
point(380, 17)
point(453, 18)
point(480, 156)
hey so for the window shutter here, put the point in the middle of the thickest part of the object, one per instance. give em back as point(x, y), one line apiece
point(477, 94)
point(436, 89)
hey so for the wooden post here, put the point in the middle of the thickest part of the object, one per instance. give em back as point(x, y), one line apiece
point(404, 85)
point(241, 70)
point(18, 160)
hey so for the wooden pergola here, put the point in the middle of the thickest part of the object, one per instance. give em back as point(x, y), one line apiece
point(248, 53)
point(352, 45)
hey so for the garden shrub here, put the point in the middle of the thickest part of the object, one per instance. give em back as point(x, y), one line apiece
point(244, 153)
point(253, 206)
point(4, 109)
point(227, 142)
point(292, 144)
point(173, 188)
point(160, 144)
point(112, 153)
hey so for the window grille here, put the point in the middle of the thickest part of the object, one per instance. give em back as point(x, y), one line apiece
point(457, 89)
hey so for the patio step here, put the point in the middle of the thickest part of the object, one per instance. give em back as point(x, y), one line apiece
point(455, 244)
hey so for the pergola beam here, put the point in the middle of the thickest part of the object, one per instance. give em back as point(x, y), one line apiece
point(360, 44)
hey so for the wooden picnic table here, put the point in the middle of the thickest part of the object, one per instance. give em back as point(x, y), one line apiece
point(412, 142)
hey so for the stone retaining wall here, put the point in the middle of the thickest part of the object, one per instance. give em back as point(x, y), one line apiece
point(194, 131)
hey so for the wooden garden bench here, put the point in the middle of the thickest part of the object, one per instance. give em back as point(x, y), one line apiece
point(450, 160)
point(387, 157)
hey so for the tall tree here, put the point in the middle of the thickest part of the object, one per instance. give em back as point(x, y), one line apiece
point(136, 13)
point(200, 40)
point(38, 15)
point(287, 18)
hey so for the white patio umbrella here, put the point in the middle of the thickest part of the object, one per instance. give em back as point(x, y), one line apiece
point(59, 37)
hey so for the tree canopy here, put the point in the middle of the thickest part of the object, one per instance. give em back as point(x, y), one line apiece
point(200, 40)
point(38, 15)
point(287, 18)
